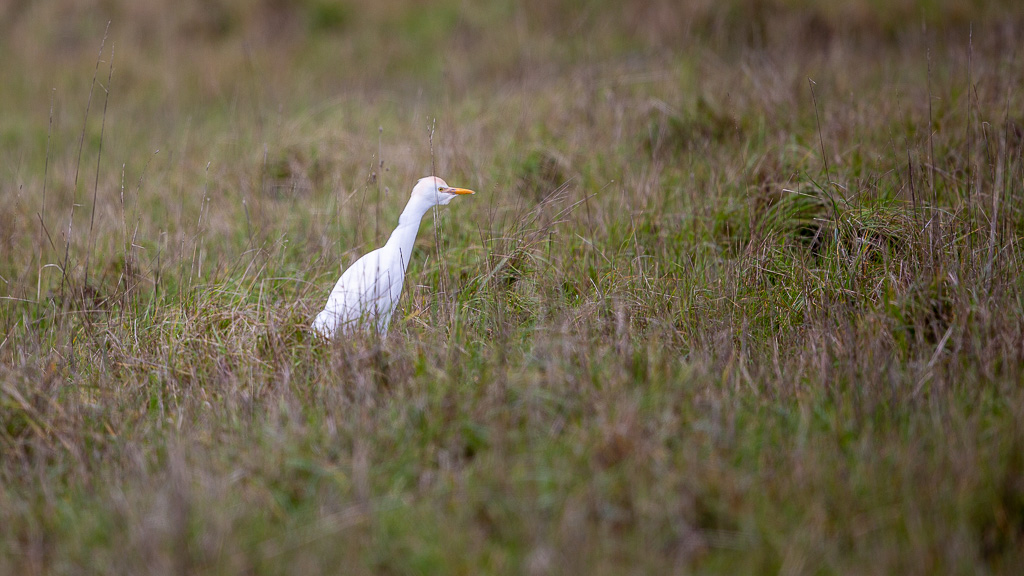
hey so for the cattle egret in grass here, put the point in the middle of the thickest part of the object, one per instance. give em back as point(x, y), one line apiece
point(367, 293)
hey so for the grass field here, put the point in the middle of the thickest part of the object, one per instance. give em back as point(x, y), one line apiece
point(740, 291)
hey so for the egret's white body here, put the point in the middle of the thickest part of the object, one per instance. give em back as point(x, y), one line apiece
point(367, 293)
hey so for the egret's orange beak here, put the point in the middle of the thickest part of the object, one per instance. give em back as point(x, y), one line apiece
point(459, 191)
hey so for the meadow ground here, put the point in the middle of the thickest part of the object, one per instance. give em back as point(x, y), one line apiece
point(740, 290)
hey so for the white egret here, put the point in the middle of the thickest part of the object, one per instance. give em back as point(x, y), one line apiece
point(367, 293)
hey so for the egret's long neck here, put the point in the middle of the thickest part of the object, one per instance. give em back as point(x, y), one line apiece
point(404, 237)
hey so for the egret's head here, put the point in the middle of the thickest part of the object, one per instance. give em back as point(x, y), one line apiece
point(433, 190)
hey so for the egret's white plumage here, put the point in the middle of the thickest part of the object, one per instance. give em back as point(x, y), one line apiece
point(367, 293)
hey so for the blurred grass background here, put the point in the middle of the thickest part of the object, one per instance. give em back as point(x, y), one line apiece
point(740, 291)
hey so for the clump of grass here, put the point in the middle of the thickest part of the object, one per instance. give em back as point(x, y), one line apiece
point(541, 173)
point(708, 124)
